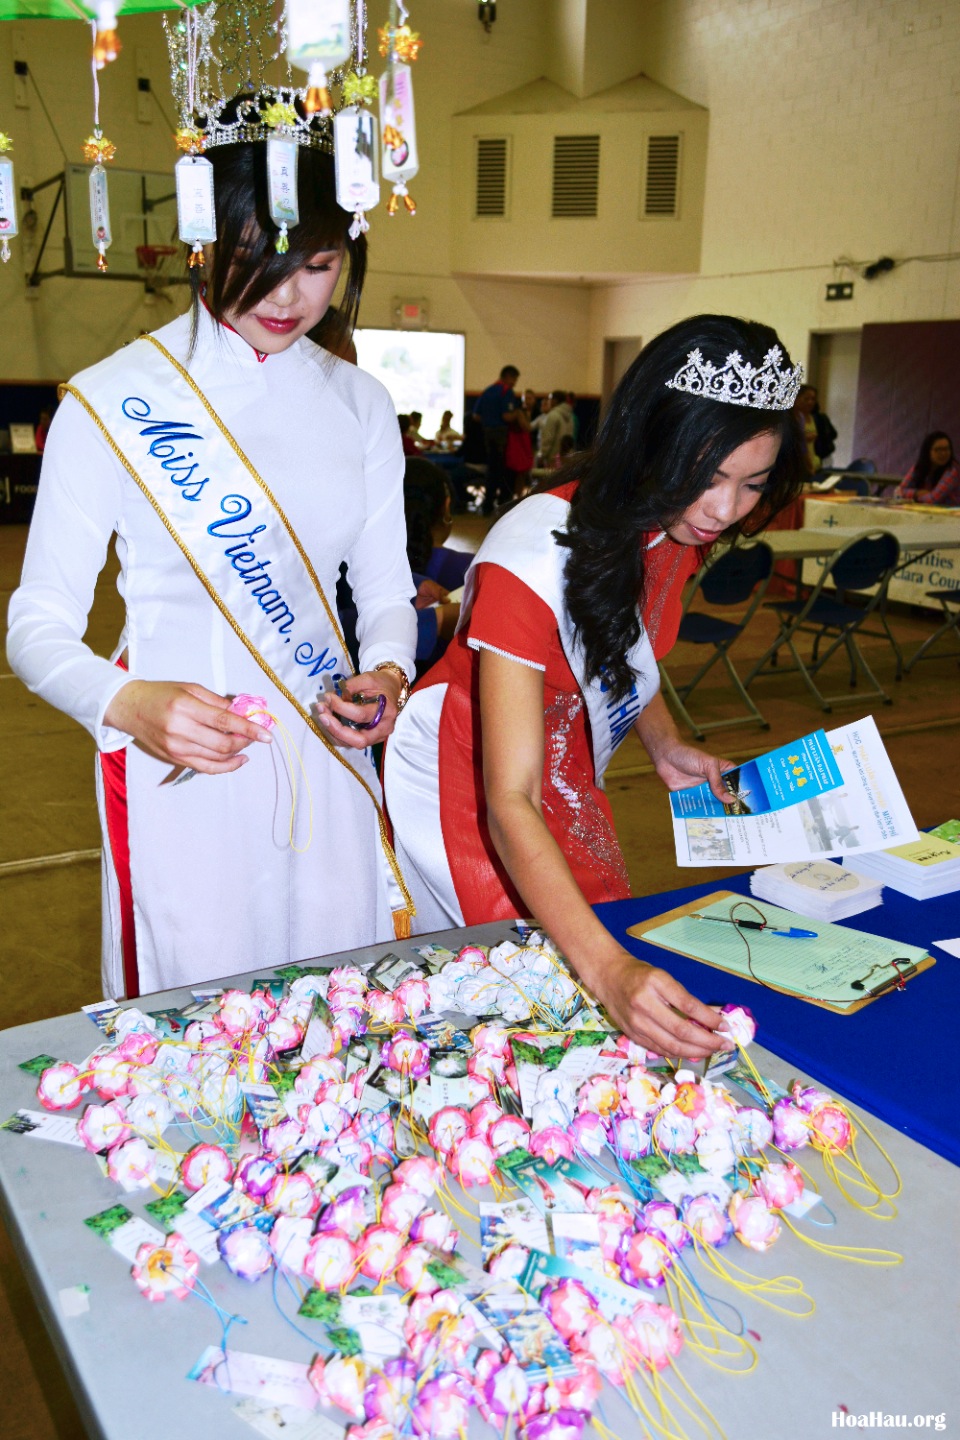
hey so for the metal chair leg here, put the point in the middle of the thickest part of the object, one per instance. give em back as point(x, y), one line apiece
point(671, 690)
point(765, 724)
point(952, 622)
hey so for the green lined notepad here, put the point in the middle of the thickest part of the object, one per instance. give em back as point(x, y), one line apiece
point(821, 970)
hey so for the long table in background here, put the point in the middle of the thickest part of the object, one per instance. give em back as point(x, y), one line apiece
point(929, 538)
point(879, 1339)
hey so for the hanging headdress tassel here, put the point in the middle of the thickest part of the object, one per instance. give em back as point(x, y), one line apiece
point(400, 162)
point(106, 42)
point(355, 153)
point(400, 192)
point(196, 215)
point(8, 199)
point(282, 187)
point(318, 40)
point(318, 100)
point(100, 215)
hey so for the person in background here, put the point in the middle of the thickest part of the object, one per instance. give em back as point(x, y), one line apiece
point(567, 447)
point(935, 477)
point(496, 410)
point(537, 424)
point(436, 569)
point(803, 408)
point(826, 439)
point(518, 455)
point(446, 436)
point(40, 434)
point(494, 773)
point(558, 423)
point(416, 420)
point(426, 505)
point(575, 418)
point(410, 446)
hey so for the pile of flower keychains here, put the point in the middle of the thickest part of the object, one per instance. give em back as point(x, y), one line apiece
point(308, 1134)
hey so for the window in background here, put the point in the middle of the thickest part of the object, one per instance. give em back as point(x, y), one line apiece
point(423, 370)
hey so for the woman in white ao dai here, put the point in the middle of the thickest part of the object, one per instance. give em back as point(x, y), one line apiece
point(221, 882)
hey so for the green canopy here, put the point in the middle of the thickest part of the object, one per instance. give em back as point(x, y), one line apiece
point(73, 10)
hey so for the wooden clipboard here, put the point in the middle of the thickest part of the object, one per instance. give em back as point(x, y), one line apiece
point(641, 932)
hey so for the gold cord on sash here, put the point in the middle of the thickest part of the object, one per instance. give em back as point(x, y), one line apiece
point(401, 918)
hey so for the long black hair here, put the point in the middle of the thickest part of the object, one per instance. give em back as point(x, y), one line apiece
point(655, 454)
point(425, 496)
point(925, 473)
point(246, 265)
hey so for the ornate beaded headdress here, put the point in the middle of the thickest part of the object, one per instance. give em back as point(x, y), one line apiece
point(232, 75)
point(769, 386)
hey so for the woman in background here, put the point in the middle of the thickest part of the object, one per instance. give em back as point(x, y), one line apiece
point(935, 478)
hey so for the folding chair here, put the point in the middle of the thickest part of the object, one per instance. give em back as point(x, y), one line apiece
point(950, 603)
point(864, 564)
point(731, 579)
point(852, 485)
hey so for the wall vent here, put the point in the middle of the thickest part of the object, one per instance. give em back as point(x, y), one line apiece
point(576, 176)
point(661, 186)
point(491, 177)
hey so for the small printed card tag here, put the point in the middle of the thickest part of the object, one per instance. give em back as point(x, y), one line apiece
point(103, 1013)
point(100, 209)
point(124, 1231)
point(40, 1125)
point(357, 163)
point(195, 210)
point(282, 180)
point(806, 1201)
point(37, 1065)
point(285, 1422)
point(276, 1382)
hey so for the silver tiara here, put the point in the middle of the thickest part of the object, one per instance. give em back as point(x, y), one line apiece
point(737, 382)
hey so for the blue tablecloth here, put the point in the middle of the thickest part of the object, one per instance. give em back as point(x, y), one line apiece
point(896, 1057)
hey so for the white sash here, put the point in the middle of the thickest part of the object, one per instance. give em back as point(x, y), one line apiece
point(523, 543)
point(234, 535)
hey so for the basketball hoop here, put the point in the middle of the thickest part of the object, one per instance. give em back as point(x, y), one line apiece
point(151, 260)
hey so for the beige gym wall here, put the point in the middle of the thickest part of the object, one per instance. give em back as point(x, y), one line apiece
point(832, 130)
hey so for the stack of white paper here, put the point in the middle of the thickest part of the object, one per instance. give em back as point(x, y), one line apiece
point(818, 888)
point(924, 869)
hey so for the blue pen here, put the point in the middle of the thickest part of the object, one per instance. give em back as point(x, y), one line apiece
point(791, 934)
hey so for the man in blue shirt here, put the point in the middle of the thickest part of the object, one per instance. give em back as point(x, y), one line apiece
point(495, 409)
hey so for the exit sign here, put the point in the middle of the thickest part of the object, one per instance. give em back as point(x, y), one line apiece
point(410, 314)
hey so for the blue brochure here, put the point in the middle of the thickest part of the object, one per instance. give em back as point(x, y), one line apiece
point(798, 771)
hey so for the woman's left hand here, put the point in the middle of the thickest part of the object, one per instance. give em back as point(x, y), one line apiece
point(680, 765)
point(372, 683)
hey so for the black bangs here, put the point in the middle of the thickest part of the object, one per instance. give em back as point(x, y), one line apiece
point(246, 266)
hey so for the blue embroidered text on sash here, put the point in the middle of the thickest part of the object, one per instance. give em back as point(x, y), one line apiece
point(165, 444)
point(167, 437)
point(237, 509)
point(622, 715)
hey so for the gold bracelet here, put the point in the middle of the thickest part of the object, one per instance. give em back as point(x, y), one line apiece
point(404, 695)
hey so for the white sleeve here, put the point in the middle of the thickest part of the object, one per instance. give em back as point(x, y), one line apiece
point(79, 502)
point(378, 570)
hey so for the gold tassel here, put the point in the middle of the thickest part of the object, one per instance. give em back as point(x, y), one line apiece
point(401, 924)
point(318, 99)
